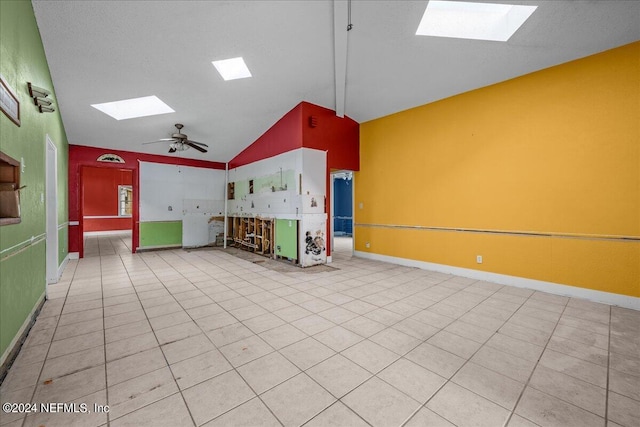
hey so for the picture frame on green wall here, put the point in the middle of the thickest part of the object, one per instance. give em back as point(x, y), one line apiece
point(9, 103)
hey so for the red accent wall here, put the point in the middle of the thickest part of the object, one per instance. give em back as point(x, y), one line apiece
point(101, 190)
point(285, 135)
point(339, 137)
point(107, 224)
point(81, 156)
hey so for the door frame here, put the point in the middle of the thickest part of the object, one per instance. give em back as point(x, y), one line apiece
point(51, 209)
point(333, 208)
point(135, 185)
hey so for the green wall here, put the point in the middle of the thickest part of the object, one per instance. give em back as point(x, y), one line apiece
point(22, 246)
point(63, 240)
point(160, 233)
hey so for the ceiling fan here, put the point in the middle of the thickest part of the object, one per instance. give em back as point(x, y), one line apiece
point(180, 142)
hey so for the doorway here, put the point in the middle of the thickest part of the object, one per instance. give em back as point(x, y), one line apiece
point(107, 210)
point(51, 208)
point(342, 213)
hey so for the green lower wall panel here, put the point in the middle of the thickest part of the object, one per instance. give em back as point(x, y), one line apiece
point(160, 233)
point(287, 238)
point(22, 283)
point(63, 243)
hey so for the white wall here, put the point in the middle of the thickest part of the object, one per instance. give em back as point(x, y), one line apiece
point(185, 189)
point(160, 189)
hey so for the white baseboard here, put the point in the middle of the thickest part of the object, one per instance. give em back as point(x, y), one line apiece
point(63, 265)
point(329, 259)
point(74, 255)
point(625, 301)
point(21, 331)
point(107, 232)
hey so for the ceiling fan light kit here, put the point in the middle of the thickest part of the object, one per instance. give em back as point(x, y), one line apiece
point(177, 146)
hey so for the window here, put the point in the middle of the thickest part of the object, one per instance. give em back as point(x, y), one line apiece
point(125, 200)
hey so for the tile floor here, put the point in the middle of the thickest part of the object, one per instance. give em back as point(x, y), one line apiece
point(176, 338)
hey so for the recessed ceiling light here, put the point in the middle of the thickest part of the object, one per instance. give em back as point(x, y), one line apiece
point(231, 69)
point(478, 21)
point(136, 107)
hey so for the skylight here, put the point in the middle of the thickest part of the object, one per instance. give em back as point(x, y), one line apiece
point(231, 69)
point(132, 108)
point(477, 21)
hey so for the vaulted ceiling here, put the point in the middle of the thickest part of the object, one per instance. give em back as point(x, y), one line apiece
point(102, 51)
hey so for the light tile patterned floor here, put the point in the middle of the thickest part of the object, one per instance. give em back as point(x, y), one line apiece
point(176, 338)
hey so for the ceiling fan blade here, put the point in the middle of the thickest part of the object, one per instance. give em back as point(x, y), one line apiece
point(192, 145)
point(197, 143)
point(160, 140)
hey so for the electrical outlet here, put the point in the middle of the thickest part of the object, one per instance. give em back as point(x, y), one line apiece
point(367, 245)
point(360, 205)
point(479, 259)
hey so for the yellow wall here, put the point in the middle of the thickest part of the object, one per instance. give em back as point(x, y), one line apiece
point(556, 152)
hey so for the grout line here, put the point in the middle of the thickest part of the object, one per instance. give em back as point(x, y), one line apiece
point(104, 348)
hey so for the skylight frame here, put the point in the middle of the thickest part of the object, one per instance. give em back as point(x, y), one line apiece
point(475, 21)
point(134, 108)
point(232, 68)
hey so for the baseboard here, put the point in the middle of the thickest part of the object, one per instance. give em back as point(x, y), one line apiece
point(107, 232)
point(13, 349)
point(74, 255)
point(155, 248)
point(519, 282)
point(63, 264)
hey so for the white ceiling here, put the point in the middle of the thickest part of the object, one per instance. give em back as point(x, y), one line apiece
point(102, 51)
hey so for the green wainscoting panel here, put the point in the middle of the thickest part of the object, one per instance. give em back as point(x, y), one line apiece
point(22, 283)
point(63, 243)
point(287, 238)
point(160, 233)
